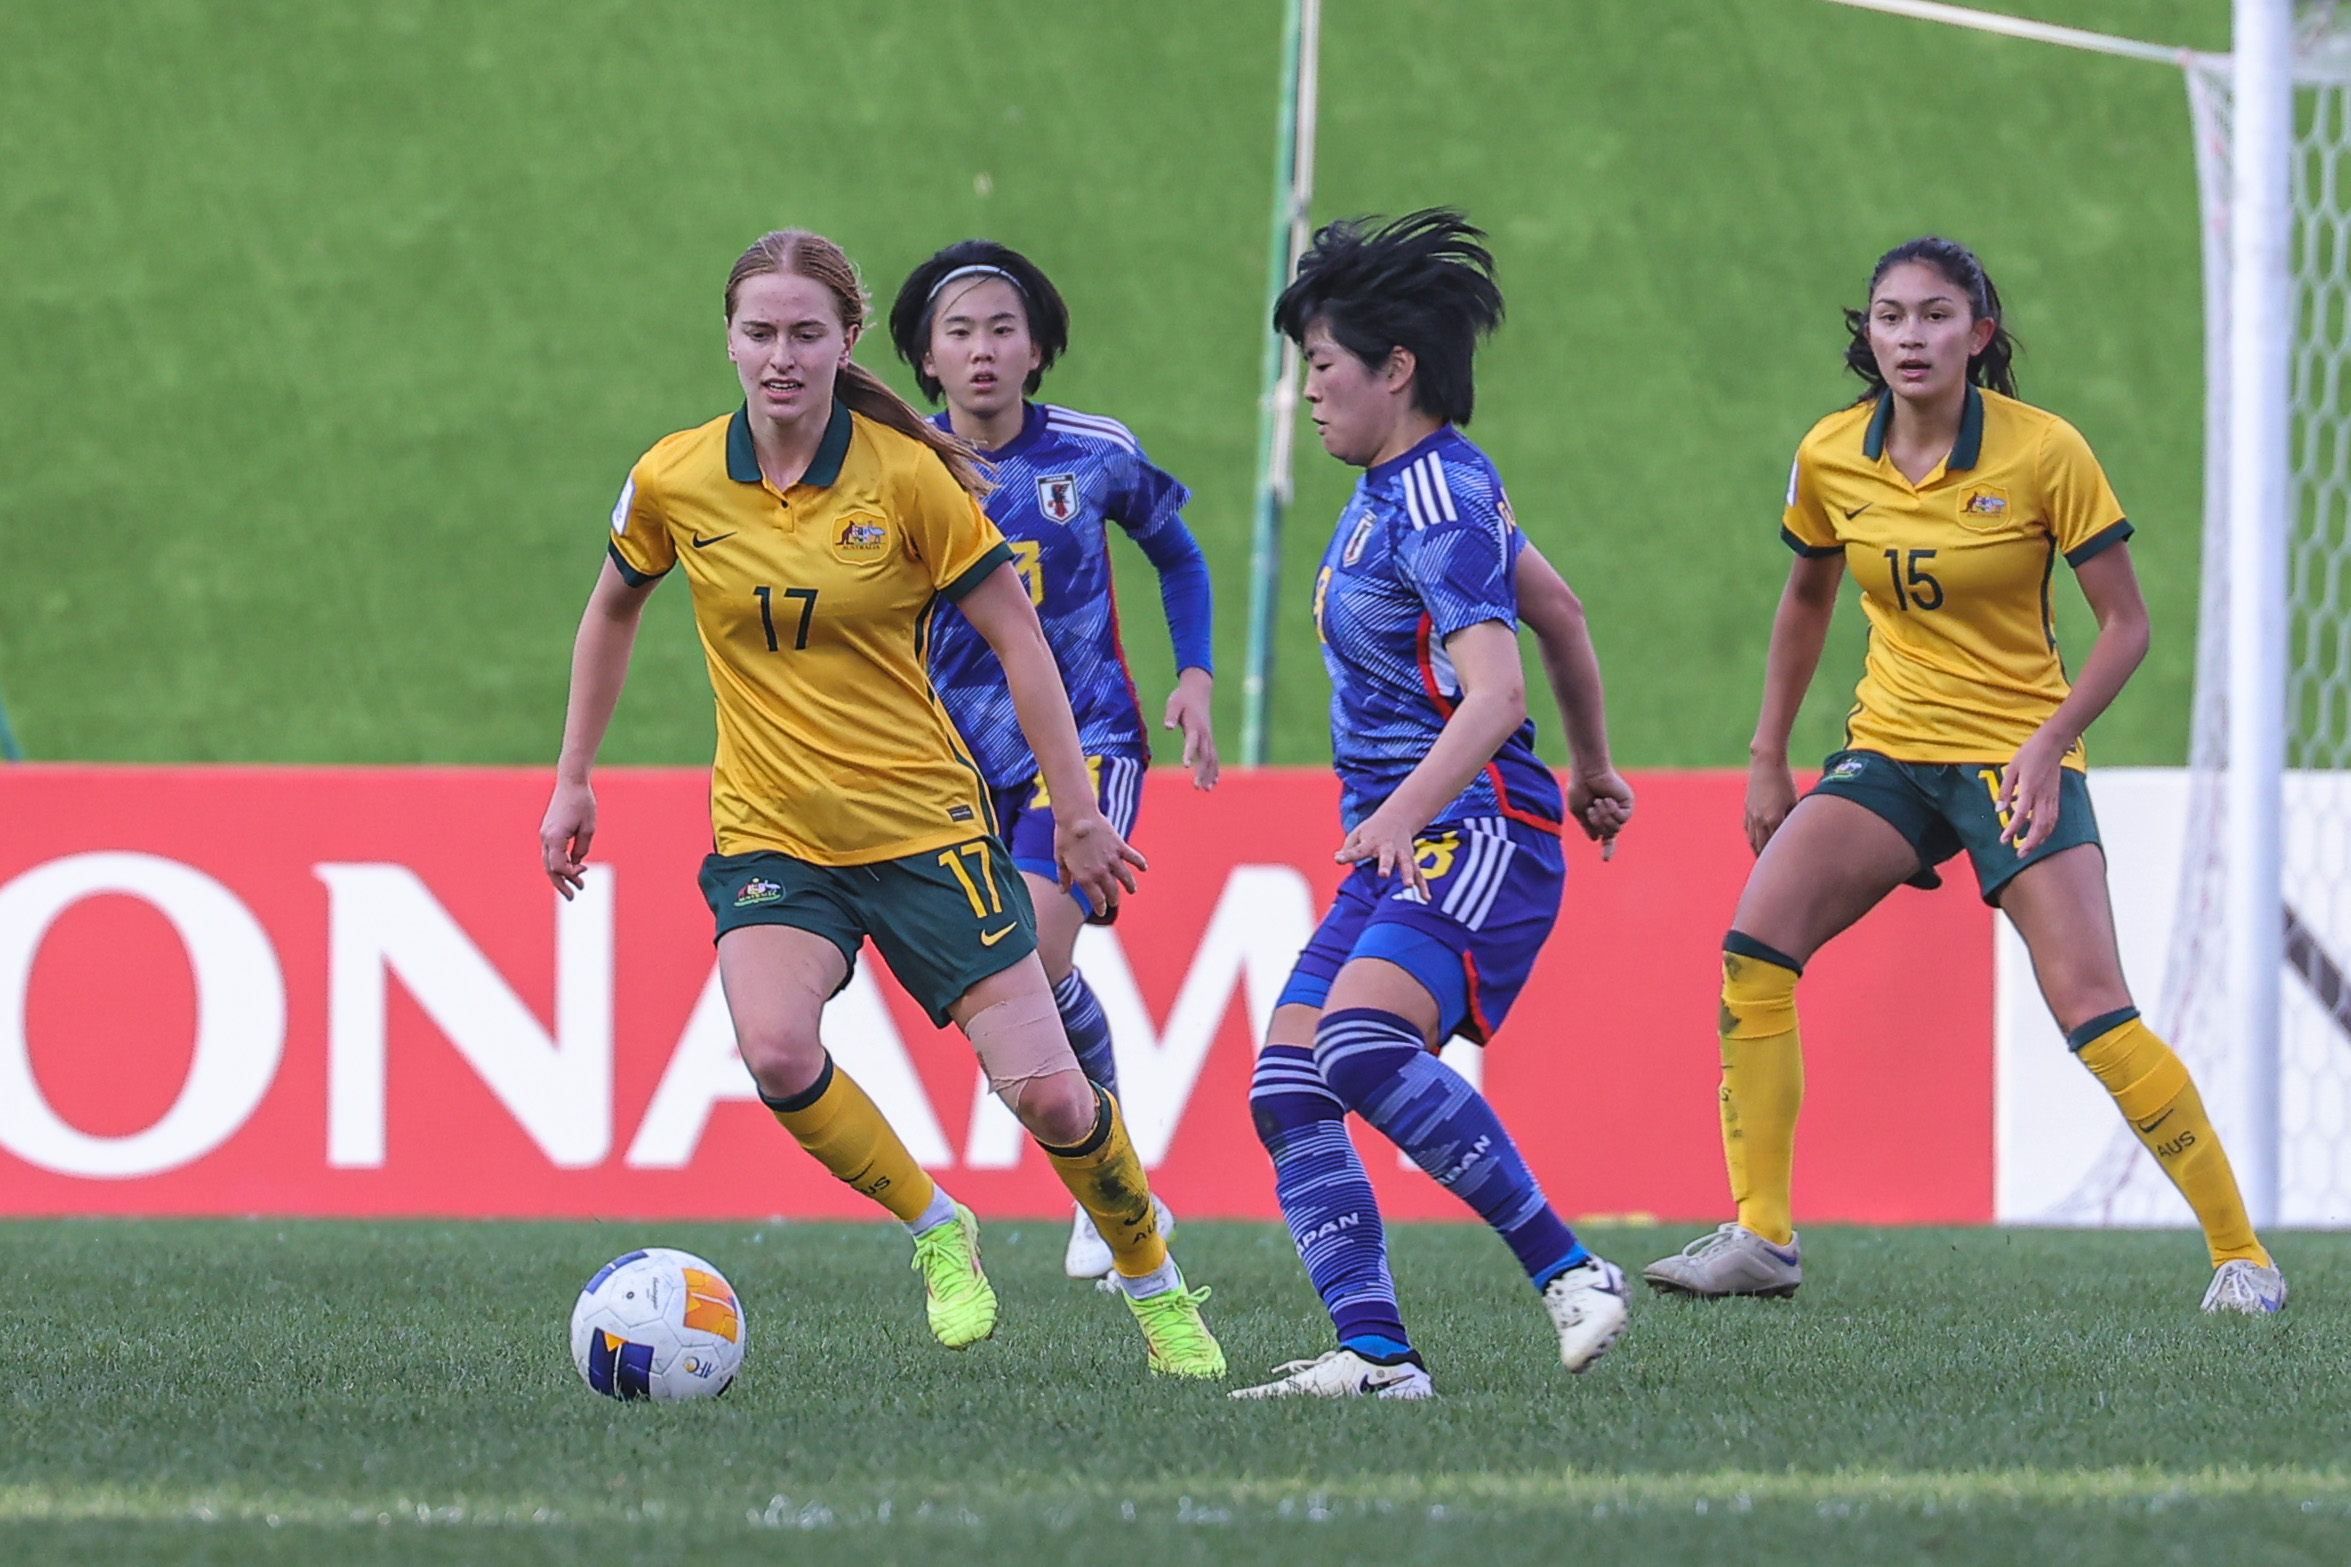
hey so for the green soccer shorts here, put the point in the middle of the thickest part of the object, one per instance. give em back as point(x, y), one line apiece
point(1944, 807)
point(944, 919)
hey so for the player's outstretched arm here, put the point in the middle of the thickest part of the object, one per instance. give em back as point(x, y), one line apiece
point(1184, 595)
point(1799, 630)
point(1087, 849)
point(1598, 798)
point(599, 664)
point(1493, 704)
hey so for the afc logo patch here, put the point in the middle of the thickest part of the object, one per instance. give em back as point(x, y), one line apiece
point(1355, 543)
point(862, 538)
point(1057, 496)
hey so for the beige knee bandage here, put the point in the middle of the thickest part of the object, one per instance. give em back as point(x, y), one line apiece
point(1019, 1042)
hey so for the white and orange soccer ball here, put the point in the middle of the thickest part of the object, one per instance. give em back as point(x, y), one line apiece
point(658, 1324)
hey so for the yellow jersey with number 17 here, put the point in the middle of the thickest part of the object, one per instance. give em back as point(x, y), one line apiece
point(1954, 570)
point(814, 604)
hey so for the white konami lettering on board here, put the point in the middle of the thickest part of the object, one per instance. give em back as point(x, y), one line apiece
point(381, 919)
point(240, 1014)
point(385, 924)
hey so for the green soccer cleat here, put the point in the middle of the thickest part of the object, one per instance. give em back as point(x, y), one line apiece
point(1181, 1345)
point(961, 1303)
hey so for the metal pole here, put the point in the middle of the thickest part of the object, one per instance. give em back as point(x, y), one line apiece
point(1278, 401)
point(2261, 327)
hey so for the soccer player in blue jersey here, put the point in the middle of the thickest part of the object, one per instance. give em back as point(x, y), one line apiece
point(980, 324)
point(1452, 823)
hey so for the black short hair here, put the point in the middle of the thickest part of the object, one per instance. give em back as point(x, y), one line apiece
point(1423, 282)
point(1995, 367)
point(911, 311)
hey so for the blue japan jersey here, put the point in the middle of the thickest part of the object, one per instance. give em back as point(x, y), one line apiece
point(1058, 483)
point(1425, 547)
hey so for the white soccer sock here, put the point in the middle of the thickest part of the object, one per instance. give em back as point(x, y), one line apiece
point(1158, 1281)
point(941, 1211)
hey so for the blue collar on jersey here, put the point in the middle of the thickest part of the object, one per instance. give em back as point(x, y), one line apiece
point(1032, 430)
point(1966, 452)
point(743, 457)
point(1396, 465)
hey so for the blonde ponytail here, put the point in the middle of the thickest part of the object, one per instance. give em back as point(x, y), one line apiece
point(865, 393)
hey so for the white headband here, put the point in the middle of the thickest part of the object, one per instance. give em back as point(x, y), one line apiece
point(964, 272)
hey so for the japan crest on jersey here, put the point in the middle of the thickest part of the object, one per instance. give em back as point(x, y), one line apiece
point(1057, 496)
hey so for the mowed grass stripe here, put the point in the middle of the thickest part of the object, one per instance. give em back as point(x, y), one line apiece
point(1734, 1490)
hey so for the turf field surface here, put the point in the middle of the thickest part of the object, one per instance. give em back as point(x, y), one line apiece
point(332, 329)
point(257, 1391)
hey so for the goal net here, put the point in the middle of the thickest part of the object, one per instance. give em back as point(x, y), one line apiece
point(2313, 1113)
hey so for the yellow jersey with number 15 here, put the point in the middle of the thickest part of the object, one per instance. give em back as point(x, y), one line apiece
point(1954, 570)
point(814, 604)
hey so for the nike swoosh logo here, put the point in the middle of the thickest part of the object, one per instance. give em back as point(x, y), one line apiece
point(702, 543)
point(989, 938)
point(2148, 1128)
point(1858, 510)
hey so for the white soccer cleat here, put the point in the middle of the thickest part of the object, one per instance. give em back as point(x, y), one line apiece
point(2246, 1287)
point(1733, 1260)
point(1343, 1374)
point(1088, 1255)
point(1588, 1306)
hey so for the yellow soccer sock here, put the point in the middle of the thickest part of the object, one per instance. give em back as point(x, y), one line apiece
point(834, 1120)
point(1762, 1082)
point(1105, 1176)
point(2152, 1088)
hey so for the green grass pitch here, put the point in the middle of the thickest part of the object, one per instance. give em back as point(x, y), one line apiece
point(331, 329)
point(257, 1391)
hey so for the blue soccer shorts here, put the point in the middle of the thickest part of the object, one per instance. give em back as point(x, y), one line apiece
point(1024, 817)
point(1493, 896)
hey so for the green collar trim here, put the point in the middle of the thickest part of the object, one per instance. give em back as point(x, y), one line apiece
point(742, 456)
point(1970, 446)
point(823, 470)
point(1966, 451)
point(835, 446)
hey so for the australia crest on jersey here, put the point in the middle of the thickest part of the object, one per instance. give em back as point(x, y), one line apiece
point(1057, 496)
point(1984, 506)
point(1355, 543)
point(862, 539)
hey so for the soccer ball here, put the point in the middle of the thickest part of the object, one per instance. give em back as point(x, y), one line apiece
point(657, 1324)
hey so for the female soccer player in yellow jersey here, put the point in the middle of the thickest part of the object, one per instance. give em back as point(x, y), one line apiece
point(1950, 501)
point(818, 526)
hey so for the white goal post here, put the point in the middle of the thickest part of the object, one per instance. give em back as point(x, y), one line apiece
point(2256, 996)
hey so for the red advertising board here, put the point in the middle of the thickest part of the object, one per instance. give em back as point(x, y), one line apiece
point(350, 991)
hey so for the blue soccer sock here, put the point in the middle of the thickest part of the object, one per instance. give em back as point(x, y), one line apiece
point(1327, 1199)
point(1088, 1030)
point(1379, 1068)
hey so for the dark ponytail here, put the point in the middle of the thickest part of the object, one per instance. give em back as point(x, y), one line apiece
point(1993, 368)
point(818, 259)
